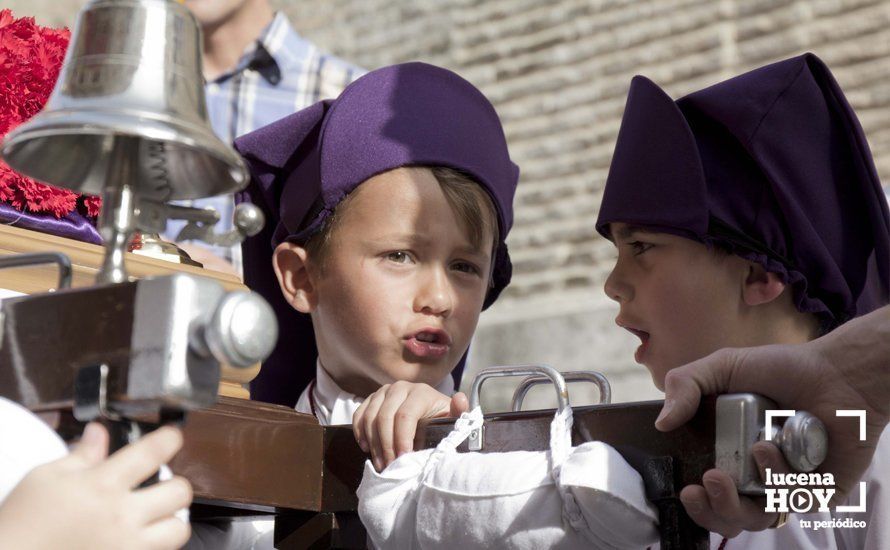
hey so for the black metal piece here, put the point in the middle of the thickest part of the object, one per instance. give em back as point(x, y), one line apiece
point(308, 530)
point(39, 258)
point(678, 531)
point(91, 394)
point(90, 403)
point(124, 431)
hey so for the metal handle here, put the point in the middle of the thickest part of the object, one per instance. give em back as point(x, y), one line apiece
point(38, 258)
point(562, 393)
point(573, 376)
point(242, 332)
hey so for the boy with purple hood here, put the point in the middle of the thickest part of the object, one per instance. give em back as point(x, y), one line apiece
point(388, 210)
point(745, 214)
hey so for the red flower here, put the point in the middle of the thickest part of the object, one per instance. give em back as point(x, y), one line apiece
point(91, 205)
point(30, 60)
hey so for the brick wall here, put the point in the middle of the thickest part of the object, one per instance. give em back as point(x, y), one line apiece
point(558, 72)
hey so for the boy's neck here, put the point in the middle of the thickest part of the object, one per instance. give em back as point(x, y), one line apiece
point(225, 43)
point(357, 385)
point(778, 322)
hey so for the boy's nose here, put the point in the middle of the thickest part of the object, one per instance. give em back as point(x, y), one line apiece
point(617, 288)
point(435, 295)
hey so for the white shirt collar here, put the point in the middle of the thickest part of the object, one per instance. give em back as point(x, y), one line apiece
point(333, 405)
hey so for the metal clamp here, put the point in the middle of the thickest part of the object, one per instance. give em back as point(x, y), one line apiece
point(740, 423)
point(573, 376)
point(547, 372)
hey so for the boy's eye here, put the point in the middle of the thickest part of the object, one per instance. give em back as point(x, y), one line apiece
point(466, 267)
point(399, 257)
point(639, 247)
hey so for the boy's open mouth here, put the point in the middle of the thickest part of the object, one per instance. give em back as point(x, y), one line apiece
point(428, 343)
point(644, 340)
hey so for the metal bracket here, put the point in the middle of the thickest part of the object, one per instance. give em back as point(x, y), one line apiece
point(91, 394)
point(475, 442)
point(39, 258)
point(594, 377)
point(152, 217)
point(91, 403)
point(248, 221)
point(33, 259)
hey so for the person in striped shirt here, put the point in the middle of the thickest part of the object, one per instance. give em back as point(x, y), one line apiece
point(257, 69)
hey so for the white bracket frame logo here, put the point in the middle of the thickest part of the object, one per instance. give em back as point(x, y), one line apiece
point(785, 413)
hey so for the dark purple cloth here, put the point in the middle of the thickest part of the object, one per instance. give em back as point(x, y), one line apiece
point(773, 165)
point(303, 165)
point(71, 226)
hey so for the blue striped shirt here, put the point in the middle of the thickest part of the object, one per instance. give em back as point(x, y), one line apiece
point(278, 75)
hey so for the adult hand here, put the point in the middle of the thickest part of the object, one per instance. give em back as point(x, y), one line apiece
point(717, 506)
point(88, 501)
point(845, 369)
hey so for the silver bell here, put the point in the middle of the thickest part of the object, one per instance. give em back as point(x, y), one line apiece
point(132, 73)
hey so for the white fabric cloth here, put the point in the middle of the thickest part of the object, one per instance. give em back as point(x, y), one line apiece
point(568, 497)
point(232, 535)
point(876, 534)
point(334, 406)
point(27, 442)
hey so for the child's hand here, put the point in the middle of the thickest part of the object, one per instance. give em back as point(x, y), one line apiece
point(85, 501)
point(719, 508)
point(386, 421)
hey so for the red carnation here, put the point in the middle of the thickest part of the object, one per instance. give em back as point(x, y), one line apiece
point(91, 205)
point(30, 60)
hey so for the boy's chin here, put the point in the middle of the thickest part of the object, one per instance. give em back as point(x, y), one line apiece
point(658, 372)
point(659, 369)
point(658, 381)
point(431, 375)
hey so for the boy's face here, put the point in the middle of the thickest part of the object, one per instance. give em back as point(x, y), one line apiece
point(682, 300)
point(400, 288)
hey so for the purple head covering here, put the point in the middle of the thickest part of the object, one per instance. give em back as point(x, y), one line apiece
point(303, 165)
point(772, 165)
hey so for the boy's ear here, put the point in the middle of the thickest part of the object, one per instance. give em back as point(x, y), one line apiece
point(290, 262)
point(761, 286)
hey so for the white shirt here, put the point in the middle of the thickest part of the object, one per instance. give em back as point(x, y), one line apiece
point(876, 533)
point(334, 406)
point(25, 443)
